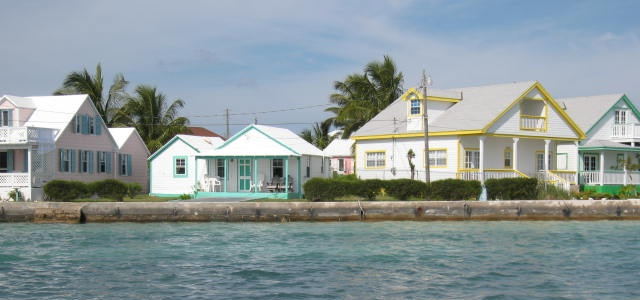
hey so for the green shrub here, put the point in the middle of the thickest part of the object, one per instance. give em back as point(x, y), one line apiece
point(110, 188)
point(455, 189)
point(368, 188)
point(133, 189)
point(317, 189)
point(552, 192)
point(403, 189)
point(16, 195)
point(512, 188)
point(65, 190)
point(185, 197)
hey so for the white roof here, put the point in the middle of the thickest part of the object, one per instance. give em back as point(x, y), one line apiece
point(586, 111)
point(201, 143)
point(339, 147)
point(261, 140)
point(50, 111)
point(479, 106)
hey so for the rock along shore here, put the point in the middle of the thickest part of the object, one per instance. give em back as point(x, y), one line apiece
point(60, 212)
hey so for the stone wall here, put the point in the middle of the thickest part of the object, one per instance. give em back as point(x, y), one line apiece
point(48, 212)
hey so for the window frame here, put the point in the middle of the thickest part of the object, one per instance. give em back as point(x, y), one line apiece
point(437, 161)
point(177, 164)
point(377, 157)
point(412, 107)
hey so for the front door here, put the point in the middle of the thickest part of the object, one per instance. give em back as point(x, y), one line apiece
point(244, 175)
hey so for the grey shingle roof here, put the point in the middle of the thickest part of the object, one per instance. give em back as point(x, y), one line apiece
point(586, 111)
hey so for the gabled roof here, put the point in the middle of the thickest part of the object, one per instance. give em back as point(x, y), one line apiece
point(197, 143)
point(261, 140)
point(596, 145)
point(122, 135)
point(50, 111)
point(339, 147)
point(588, 111)
point(480, 108)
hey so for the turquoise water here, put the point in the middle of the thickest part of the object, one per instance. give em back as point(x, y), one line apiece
point(352, 260)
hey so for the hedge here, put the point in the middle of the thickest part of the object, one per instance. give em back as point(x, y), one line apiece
point(65, 190)
point(512, 188)
point(455, 189)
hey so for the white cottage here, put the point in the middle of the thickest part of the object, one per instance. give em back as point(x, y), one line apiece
point(175, 171)
point(495, 131)
point(262, 161)
point(340, 153)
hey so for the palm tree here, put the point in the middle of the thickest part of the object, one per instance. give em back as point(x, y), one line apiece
point(319, 137)
point(92, 85)
point(360, 97)
point(156, 120)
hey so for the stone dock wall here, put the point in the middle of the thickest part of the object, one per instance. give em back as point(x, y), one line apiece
point(52, 212)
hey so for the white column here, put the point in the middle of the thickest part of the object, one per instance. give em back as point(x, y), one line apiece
point(601, 168)
point(481, 167)
point(515, 153)
point(29, 169)
point(546, 154)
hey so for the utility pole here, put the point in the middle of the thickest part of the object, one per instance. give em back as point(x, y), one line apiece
point(227, 122)
point(425, 82)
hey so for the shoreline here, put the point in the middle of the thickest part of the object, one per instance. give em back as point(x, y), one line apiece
point(525, 210)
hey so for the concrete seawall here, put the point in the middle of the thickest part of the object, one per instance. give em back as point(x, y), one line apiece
point(52, 212)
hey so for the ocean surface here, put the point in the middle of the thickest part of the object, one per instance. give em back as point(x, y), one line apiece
point(350, 260)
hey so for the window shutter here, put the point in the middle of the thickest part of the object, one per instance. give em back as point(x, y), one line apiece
point(129, 167)
point(10, 114)
point(26, 160)
point(90, 161)
point(98, 125)
point(85, 124)
point(60, 165)
point(10, 160)
point(108, 156)
point(72, 160)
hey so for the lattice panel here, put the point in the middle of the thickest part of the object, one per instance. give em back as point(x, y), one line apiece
point(42, 166)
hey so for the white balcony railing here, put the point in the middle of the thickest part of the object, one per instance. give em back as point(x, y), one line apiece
point(628, 131)
point(474, 174)
point(24, 135)
point(597, 178)
point(537, 123)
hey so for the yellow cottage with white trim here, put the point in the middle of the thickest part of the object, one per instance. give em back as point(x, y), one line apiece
point(475, 133)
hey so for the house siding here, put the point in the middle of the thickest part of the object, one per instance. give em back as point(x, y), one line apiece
point(163, 181)
point(135, 147)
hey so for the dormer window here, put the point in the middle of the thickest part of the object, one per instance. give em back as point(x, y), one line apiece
point(415, 107)
point(5, 117)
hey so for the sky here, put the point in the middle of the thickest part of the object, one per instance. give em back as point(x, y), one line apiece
point(276, 61)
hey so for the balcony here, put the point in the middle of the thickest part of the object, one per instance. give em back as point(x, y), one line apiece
point(26, 135)
point(536, 123)
point(14, 180)
point(625, 131)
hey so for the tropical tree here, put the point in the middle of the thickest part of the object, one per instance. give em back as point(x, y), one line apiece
point(156, 120)
point(360, 97)
point(92, 85)
point(319, 134)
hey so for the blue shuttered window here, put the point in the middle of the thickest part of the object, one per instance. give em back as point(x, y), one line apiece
point(98, 125)
point(109, 155)
point(129, 168)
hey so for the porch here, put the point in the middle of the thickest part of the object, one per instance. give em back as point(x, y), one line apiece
point(276, 177)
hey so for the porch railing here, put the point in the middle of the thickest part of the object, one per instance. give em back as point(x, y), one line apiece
point(625, 131)
point(22, 135)
point(561, 180)
point(14, 180)
point(474, 174)
point(533, 123)
point(597, 178)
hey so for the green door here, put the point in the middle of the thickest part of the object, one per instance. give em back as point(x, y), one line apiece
point(244, 177)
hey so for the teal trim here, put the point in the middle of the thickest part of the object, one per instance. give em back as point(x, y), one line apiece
point(72, 160)
point(85, 124)
point(98, 124)
point(186, 167)
point(622, 149)
point(248, 128)
point(624, 99)
point(150, 179)
point(90, 161)
point(129, 165)
point(108, 157)
point(247, 195)
point(226, 173)
point(299, 191)
point(10, 154)
point(165, 195)
point(168, 144)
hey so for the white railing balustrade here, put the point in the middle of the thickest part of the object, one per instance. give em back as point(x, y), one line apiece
point(22, 135)
point(625, 131)
point(14, 179)
point(533, 123)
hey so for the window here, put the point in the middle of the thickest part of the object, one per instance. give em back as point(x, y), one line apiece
point(508, 158)
point(341, 164)
point(67, 160)
point(562, 161)
point(92, 125)
point(540, 160)
point(620, 161)
point(124, 164)
point(180, 166)
point(84, 161)
point(415, 107)
point(590, 162)
point(620, 117)
point(4, 162)
point(104, 162)
point(438, 158)
point(472, 159)
point(375, 159)
point(277, 167)
point(5, 118)
point(220, 168)
point(77, 124)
